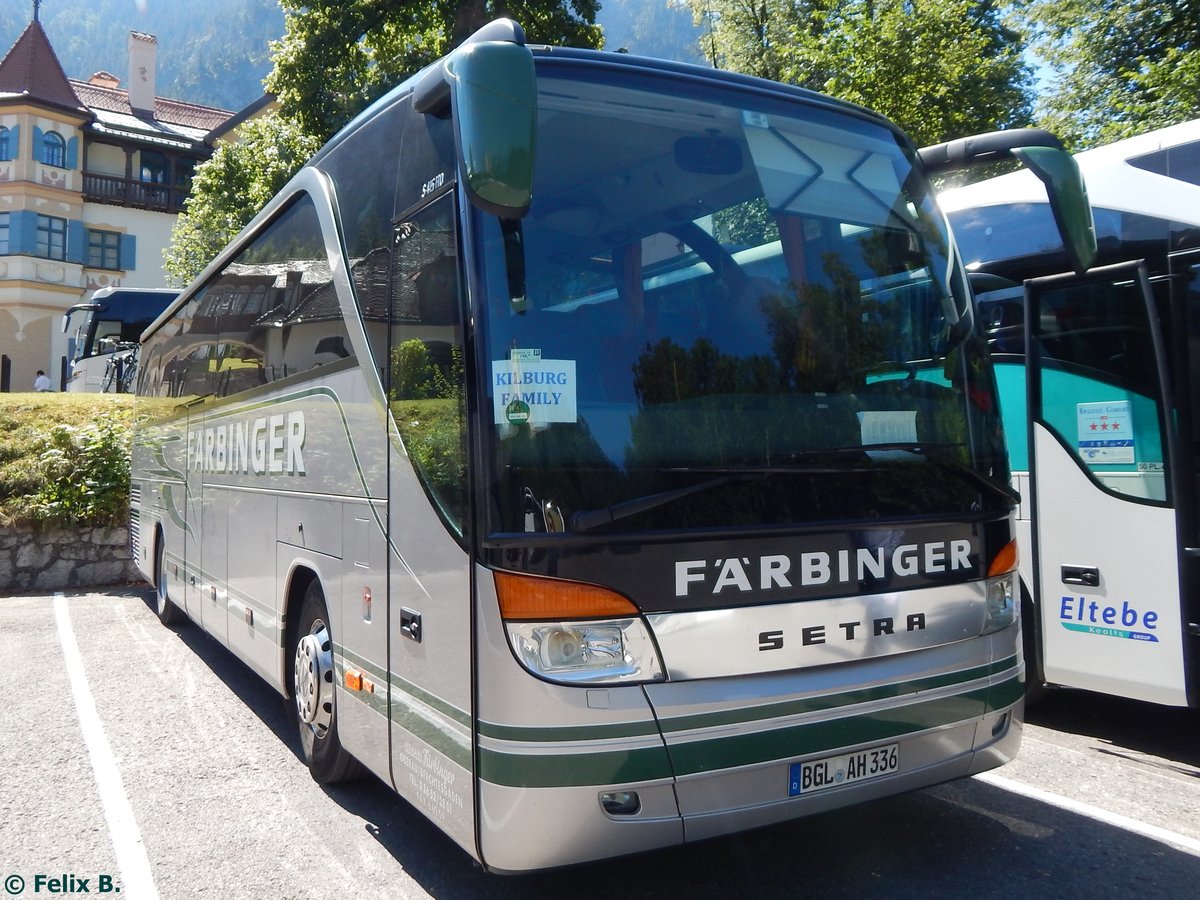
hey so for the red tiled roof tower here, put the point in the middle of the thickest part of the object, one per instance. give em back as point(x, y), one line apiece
point(32, 69)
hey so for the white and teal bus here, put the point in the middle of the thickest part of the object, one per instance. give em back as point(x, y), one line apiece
point(601, 452)
point(1101, 407)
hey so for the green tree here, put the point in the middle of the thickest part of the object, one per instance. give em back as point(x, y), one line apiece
point(1119, 68)
point(940, 69)
point(336, 56)
point(659, 28)
point(230, 188)
point(755, 36)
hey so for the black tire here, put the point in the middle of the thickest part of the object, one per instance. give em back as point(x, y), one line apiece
point(168, 613)
point(314, 695)
point(110, 377)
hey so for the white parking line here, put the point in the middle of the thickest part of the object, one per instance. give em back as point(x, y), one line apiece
point(1162, 835)
point(137, 882)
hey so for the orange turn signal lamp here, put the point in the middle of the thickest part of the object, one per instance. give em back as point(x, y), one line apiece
point(357, 681)
point(1005, 561)
point(538, 599)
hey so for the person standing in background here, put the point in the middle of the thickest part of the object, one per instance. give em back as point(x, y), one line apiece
point(42, 382)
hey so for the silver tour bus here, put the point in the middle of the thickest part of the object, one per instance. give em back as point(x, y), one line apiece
point(601, 452)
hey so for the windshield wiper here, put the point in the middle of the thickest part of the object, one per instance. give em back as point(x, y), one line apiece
point(586, 520)
point(963, 471)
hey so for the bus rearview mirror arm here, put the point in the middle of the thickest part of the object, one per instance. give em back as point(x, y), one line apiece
point(78, 307)
point(487, 85)
point(1043, 154)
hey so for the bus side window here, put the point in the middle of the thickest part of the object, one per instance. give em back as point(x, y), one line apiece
point(426, 381)
point(273, 311)
point(1099, 390)
point(363, 168)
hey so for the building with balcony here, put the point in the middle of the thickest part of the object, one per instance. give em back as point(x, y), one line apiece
point(92, 178)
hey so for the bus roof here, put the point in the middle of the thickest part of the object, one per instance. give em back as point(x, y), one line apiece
point(1113, 182)
point(632, 63)
point(598, 58)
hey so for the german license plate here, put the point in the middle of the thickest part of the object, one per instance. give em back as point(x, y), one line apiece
point(835, 771)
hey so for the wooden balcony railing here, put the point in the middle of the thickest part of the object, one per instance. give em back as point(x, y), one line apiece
point(131, 192)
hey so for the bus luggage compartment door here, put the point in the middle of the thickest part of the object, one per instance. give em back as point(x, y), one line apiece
point(1103, 464)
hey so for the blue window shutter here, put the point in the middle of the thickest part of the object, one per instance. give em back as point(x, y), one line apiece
point(73, 153)
point(76, 242)
point(23, 234)
point(14, 142)
point(128, 251)
point(38, 148)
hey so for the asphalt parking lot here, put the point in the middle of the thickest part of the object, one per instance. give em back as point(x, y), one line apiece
point(173, 772)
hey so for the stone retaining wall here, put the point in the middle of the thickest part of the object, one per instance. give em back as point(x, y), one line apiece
point(35, 560)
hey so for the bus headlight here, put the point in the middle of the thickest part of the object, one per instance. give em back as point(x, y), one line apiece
point(612, 650)
point(573, 632)
point(1001, 607)
point(1001, 610)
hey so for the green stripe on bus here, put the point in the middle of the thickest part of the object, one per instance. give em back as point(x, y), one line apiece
point(1005, 694)
point(827, 702)
point(544, 733)
point(693, 758)
point(574, 770)
point(273, 633)
point(765, 713)
point(716, 754)
point(403, 717)
point(434, 702)
point(457, 750)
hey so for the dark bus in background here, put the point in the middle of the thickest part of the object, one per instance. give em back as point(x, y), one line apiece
point(102, 348)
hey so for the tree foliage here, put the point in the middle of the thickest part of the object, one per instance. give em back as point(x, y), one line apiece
point(938, 68)
point(336, 56)
point(231, 187)
point(1120, 68)
point(661, 28)
point(334, 59)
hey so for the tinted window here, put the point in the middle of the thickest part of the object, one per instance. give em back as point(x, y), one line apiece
point(426, 386)
point(1182, 162)
point(1015, 230)
point(271, 313)
point(363, 168)
point(1097, 384)
point(712, 313)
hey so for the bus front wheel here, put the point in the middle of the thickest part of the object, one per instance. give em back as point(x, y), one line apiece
point(313, 693)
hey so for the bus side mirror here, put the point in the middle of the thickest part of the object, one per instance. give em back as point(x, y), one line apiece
point(1044, 155)
point(1059, 172)
point(494, 101)
point(78, 307)
point(488, 85)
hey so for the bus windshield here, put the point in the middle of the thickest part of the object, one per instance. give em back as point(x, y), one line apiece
point(718, 315)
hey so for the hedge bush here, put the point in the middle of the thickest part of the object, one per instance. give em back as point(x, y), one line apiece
point(64, 459)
